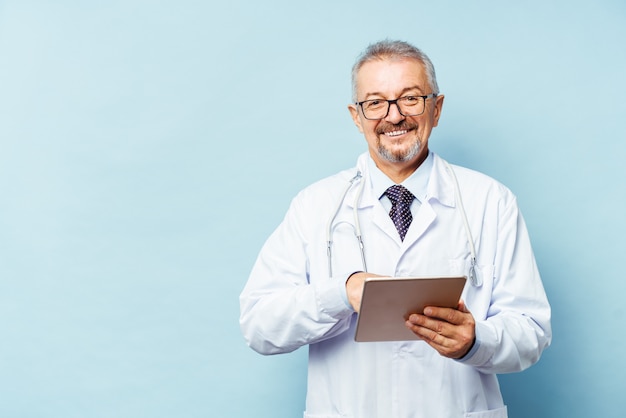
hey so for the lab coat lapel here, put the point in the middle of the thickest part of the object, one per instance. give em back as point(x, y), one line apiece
point(440, 191)
point(381, 219)
point(425, 216)
point(377, 215)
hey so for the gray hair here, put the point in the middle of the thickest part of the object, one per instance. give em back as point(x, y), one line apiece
point(395, 50)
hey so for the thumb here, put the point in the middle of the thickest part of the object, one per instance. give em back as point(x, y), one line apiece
point(462, 307)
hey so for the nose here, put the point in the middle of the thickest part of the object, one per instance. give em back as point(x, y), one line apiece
point(393, 115)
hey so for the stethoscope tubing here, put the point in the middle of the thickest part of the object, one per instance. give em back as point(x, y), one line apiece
point(473, 277)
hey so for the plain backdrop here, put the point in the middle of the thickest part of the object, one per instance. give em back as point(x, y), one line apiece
point(148, 148)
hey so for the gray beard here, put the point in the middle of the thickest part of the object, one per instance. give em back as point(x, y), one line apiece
point(398, 157)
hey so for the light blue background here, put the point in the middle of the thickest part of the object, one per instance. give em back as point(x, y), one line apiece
point(148, 148)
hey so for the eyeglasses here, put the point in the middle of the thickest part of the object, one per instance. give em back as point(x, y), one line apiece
point(407, 106)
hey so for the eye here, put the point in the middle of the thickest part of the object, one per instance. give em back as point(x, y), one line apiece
point(411, 99)
point(374, 104)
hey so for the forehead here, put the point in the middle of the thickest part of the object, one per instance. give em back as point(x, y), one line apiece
point(391, 77)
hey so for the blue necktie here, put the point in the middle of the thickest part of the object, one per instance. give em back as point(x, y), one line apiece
point(400, 211)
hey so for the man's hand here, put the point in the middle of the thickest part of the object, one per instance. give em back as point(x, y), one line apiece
point(449, 331)
point(354, 288)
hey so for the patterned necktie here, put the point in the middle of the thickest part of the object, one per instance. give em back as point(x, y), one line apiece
point(400, 211)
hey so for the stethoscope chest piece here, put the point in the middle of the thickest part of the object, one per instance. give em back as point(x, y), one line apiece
point(473, 276)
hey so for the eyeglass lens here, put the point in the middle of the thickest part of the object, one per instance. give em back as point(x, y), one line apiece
point(408, 106)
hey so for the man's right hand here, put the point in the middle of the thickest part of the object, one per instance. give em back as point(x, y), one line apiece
point(354, 288)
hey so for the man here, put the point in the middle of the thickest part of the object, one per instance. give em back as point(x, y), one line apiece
point(306, 285)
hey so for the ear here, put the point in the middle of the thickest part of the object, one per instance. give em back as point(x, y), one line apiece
point(437, 111)
point(356, 118)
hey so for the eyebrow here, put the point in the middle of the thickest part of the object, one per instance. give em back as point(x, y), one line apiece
point(404, 90)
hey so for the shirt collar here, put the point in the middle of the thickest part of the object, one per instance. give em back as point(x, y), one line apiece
point(416, 183)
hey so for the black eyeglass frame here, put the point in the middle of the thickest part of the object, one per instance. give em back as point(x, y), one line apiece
point(390, 102)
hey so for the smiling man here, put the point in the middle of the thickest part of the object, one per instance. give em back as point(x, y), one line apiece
point(402, 211)
point(396, 133)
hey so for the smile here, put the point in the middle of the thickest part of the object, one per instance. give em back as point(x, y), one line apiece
point(396, 133)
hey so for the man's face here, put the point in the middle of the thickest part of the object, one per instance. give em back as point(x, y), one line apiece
point(396, 139)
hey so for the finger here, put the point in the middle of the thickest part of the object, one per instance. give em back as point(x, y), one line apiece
point(450, 315)
point(429, 329)
point(463, 306)
point(450, 340)
point(443, 344)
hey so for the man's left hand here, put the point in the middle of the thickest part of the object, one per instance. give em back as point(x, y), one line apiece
point(449, 331)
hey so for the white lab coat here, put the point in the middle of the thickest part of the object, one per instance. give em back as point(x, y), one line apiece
point(290, 300)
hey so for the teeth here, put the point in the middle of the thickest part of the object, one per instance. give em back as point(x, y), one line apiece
point(395, 133)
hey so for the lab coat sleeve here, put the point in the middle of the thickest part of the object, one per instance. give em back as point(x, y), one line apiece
point(282, 309)
point(517, 328)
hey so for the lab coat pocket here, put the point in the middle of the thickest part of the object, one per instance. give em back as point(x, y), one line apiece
point(434, 267)
point(458, 267)
point(482, 272)
point(494, 413)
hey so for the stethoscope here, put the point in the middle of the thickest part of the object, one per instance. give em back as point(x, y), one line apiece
point(473, 277)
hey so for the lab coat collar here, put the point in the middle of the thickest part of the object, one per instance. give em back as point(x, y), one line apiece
point(416, 183)
point(440, 186)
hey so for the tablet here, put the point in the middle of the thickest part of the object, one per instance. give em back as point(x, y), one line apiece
point(388, 301)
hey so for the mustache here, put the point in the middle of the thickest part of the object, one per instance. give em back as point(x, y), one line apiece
point(402, 126)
